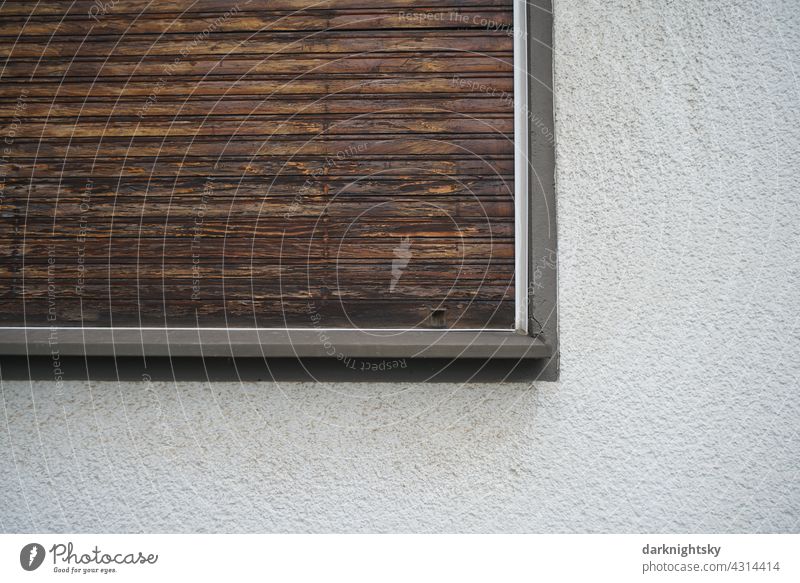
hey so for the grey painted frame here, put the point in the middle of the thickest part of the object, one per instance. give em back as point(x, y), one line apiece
point(538, 340)
point(543, 246)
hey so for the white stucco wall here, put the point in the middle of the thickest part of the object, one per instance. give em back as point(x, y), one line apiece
point(678, 406)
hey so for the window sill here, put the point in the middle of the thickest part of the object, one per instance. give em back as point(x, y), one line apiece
point(273, 343)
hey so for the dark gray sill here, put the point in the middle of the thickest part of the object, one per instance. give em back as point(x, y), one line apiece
point(335, 344)
point(241, 370)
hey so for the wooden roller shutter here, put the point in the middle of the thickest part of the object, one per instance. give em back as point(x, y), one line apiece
point(263, 163)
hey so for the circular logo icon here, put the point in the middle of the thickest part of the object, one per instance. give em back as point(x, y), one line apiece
point(31, 556)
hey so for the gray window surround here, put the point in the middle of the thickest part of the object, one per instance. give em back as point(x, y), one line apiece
point(536, 341)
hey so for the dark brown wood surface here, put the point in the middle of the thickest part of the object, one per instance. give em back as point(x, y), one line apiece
point(272, 163)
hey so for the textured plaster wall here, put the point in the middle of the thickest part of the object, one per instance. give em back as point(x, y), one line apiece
point(678, 405)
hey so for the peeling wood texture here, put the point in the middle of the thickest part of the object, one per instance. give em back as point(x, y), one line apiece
point(270, 163)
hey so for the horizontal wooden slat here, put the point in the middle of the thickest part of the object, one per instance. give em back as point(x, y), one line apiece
point(255, 313)
point(341, 207)
point(412, 183)
point(247, 249)
point(267, 105)
point(368, 145)
point(340, 64)
point(435, 226)
point(156, 88)
point(94, 169)
point(262, 105)
point(84, 7)
point(378, 123)
point(494, 271)
point(326, 42)
point(213, 290)
point(150, 21)
point(422, 272)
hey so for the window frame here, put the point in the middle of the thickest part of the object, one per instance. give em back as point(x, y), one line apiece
point(535, 332)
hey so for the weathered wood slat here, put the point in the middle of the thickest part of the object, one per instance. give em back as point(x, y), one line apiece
point(471, 42)
point(156, 88)
point(297, 125)
point(334, 229)
point(84, 8)
point(246, 249)
point(150, 21)
point(204, 289)
point(251, 313)
point(91, 170)
point(267, 190)
point(418, 272)
point(494, 272)
point(368, 145)
point(265, 209)
point(208, 108)
point(279, 64)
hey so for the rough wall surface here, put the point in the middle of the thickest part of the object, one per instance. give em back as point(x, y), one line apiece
point(678, 406)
